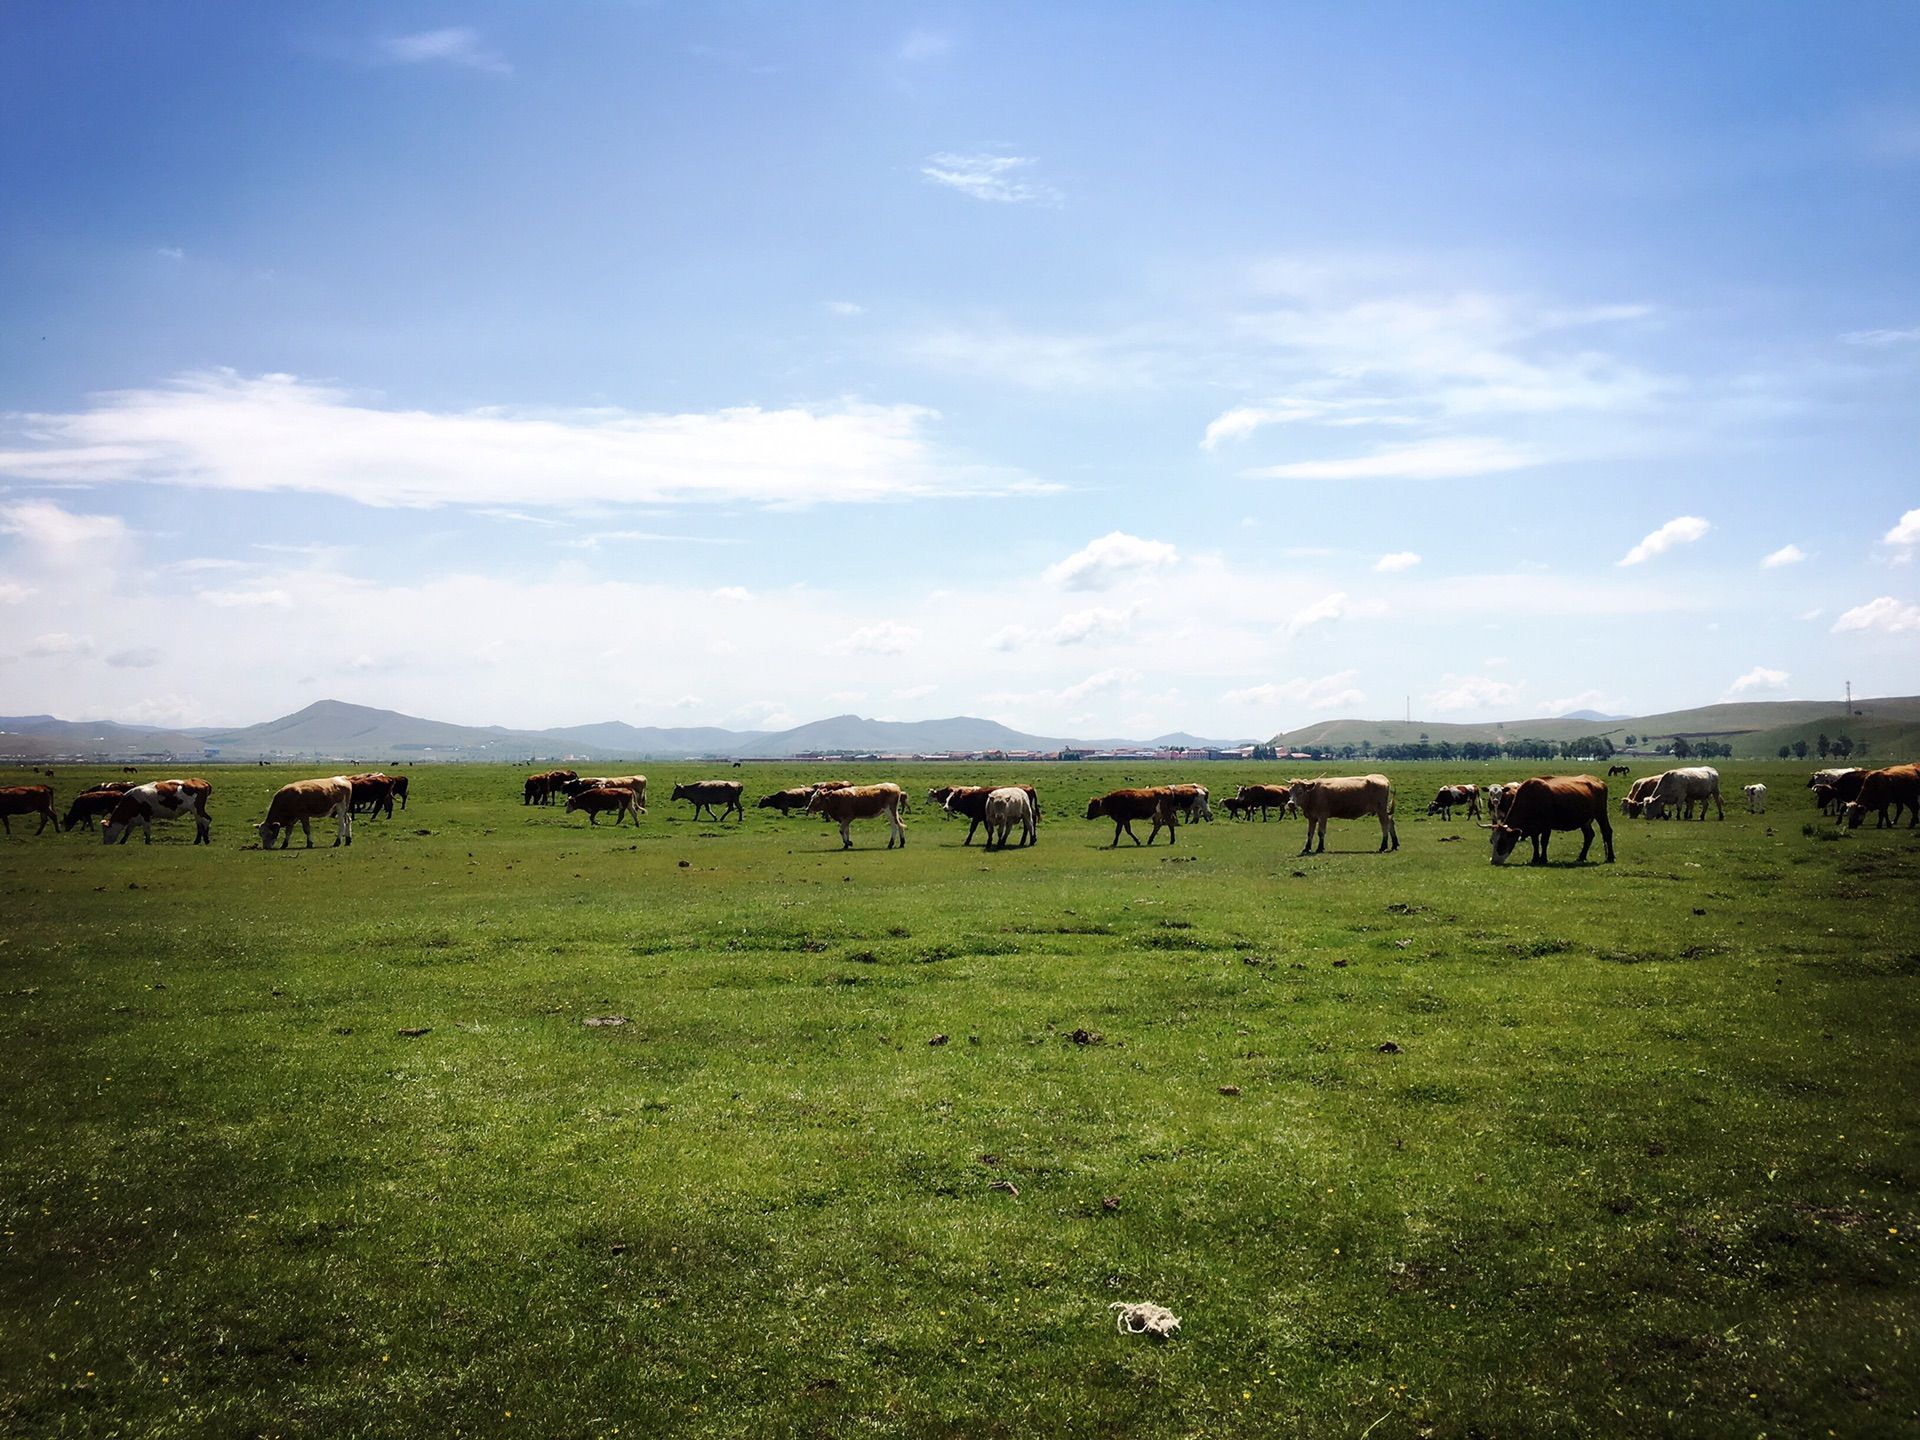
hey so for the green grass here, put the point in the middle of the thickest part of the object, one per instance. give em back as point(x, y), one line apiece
point(1644, 1160)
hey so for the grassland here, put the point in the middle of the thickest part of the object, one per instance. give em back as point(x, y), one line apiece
point(1413, 1145)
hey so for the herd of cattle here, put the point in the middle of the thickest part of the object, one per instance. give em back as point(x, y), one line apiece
point(1531, 810)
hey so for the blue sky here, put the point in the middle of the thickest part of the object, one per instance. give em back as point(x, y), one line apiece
point(1101, 369)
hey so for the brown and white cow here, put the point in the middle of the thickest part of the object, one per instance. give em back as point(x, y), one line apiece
point(706, 794)
point(1346, 797)
point(303, 802)
point(862, 802)
point(599, 799)
point(28, 800)
point(1497, 797)
point(1895, 788)
point(1548, 803)
point(1453, 797)
point(1123, 807)
point(1756, 798)
point(969, 802)
point(160, 800)
point(1191, 801)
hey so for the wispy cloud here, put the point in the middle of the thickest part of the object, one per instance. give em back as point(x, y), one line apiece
point(1473, 692)
point(1077, 628)
point(1399, 560)
point(1681, 530)
point(248, 599)
point(1451, 458)
point(171, 252)
point(1328, 692)
point(1785, 555)
point(1884, 613)
point(1336, 606)
point(1881, 338)
point(886, 638)
point(1114, 556)
point(1003, 179)
point(844, 307)
point(222, 431)
point(455, 45)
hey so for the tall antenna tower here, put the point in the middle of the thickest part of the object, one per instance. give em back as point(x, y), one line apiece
point(1849, 698)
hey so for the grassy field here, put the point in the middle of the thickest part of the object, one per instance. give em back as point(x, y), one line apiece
point(1414, 1146)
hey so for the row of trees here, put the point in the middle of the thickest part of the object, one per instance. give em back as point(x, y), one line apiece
point(1840, 746)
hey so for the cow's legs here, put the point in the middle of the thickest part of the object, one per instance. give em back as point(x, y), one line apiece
point(846, 835)
point(973, 825)
point(1586, 843)
point(898, 832)
point(306, 825)
point(8, 823)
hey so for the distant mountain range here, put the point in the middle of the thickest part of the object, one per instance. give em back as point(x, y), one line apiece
point(333, 730)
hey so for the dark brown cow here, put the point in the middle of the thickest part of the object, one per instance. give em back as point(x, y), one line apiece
point(160, 800)
point(372, 792)
point(1192, 802)
point(706, 794)
point(786, 801)
point(400, 790)
point(602, 798)
point(1613, 770)
point(1845, 790)
point(1346, 797)
point(1156, 803)
point(90, 805)
point(1264, 798)
point(862, 802)
point(28, 800)
point(1236, 808)
point(1548, 803)
point(1896, 788)
point(969, 802)
point(539, 788)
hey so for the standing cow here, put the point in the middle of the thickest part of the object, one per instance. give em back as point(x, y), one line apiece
point(1346, 797)
point(1452, 797)
point(1548, 803)
point(1123, 807)
point(596, 800)
point(1688, 786)
point(1896, 788)
point(28, 800)
point(707, 794)
point(1008, 806)
point(303, 802)
point(160, 800)
point(1756, 799)
point(862, 802)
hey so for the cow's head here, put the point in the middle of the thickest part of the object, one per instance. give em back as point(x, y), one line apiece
point(269, 831)
point(1505, 837)
point(1434, 808)
point(1855, 812)
point(1096, 807)
point(817, 802)
point(680, 793)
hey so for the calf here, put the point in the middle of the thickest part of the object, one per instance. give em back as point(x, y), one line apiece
point(706, 794)
point(1236, 808)
point(1123, 807)
point(862, 802)
point(1756, 798)
point(28, 800)
point(303, 802)
point(159, 800)
point(400, 791)
point(602, 798)
point(1548, 803)
point(1634, 803)
point(1346, 797)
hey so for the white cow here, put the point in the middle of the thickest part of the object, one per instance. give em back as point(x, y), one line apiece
point(1006, 807)
point(1756, 798)
point(1686, 786)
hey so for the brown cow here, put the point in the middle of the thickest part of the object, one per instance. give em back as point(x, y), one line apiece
point(28, 800)
point(1346, 797)
point(705, 794)
point(786, 801)
point(969, 802)
point(539, 788)
point(1156, 803)
point(160, 800)
point(1236, 808)
point(303, 802)
point(1897, 787)
point(602, 798)
point(1264, 798)
point(1548, 803)
point(862, 802)
point(372, 792)
point(90, 805)
point(400, 791)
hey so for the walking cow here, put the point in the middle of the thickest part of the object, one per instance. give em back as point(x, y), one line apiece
point(160, 800)
point(862, 802)
point(28, 800)
point(1346, 797)
point(706, 794)
point(1156, 803)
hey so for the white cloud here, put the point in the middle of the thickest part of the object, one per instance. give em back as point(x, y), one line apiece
point(248, 599)
point(885, 638)
point(761, 715)
point(1907, 532)
point(1682, 530)
point(1785, 555)
point(736, 593)
point(999, 178)
point(171, 252)
point(141, 658)
point(221, 431)
point(1113, 557)
point(1328, 607)
point(46, 526)
point(845, 307)
point(1444, 459)
point(1096, 684)
point(1759, 678)
point(59, 643)
point(1328, 692)
point(12, 593)
point(1073, 629)
point(1813, 614)
point(1885, 613)
point(455, 45)
point(1880, 337)
point(1398, 560)
point(1474, 692)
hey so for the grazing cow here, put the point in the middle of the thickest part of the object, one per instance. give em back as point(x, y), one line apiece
point(1896, 788)
point(159, 800)
point(1634, 803)
point(705, 794)
point(862, 802)
point(400, 791)
point(787, 801)
point(303, 802)
point(1825, 786)
point(970, 803)
point(1688, 786)
point(1548, 803)
point(1455, 795)
point(1844, 790)
point(1264, 798)
point(28, 800)
point(1192, 802)
point(1346, 797)
point(1756, 798)
point(1613, 770)
point(1123, 807)
point(93, 804)
point(602, 798)
point(372, 792)
point(1008, 806)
